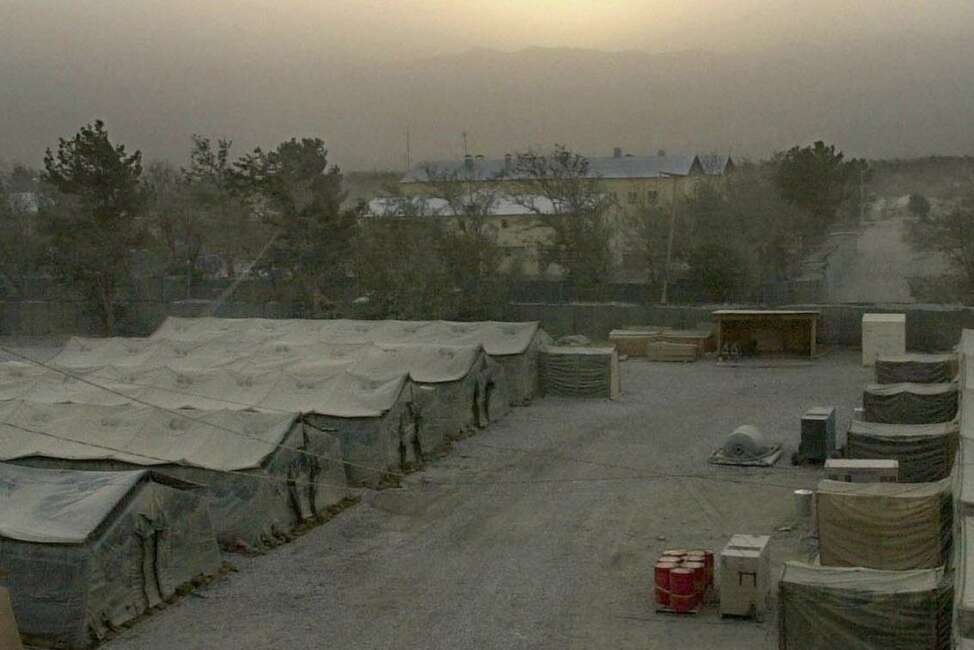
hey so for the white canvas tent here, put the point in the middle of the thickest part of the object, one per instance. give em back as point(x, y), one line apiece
point(466, 388)
point(375, 420)
point(264, 474)
point(515, 346)
point(86, 552)
point(827, 608)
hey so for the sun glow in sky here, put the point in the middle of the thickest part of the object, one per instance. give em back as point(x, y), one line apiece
point(357, 72)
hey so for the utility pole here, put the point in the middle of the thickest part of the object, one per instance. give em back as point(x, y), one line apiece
point(465, 152)
point(862, 194)
point(669, 245)
point(409, 162)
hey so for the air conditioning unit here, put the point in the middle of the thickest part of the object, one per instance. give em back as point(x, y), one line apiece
point(862, 470)
point(818, 435)
point(745, 576)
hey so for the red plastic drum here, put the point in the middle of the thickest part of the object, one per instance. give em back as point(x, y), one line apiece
point(662, 579)
point(682, 596)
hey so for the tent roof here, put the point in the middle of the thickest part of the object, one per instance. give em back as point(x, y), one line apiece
point(141, 435)
point(59, 506)
point(858, 579)
point(325, 390)
point(497, 338)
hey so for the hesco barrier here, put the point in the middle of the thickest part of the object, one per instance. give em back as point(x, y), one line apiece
point(929, 328)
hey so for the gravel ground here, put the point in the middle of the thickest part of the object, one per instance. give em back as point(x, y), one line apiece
point(549, 547)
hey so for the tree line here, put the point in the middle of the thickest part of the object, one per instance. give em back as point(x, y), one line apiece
point(96, 211)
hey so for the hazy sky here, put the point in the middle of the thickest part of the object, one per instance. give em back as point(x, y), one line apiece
point(261, 70)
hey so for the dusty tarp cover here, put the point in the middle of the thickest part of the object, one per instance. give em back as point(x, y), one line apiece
point(497, 338)
point(916, 368)
point(827, 608)
point(910, 403)
point(59, 506)
point(141, 435)
point(889, 526)
point(580, 371)
point(925, 451)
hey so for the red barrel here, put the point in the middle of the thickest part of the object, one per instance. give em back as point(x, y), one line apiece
point(699, 578)
point(662, 588)
point(707, 557)
point(682, 597)
point(671, 558)
point(675, 552)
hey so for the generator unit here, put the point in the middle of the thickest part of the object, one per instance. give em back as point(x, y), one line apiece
point(745, 576)
point(818, 435)
point(862, 470)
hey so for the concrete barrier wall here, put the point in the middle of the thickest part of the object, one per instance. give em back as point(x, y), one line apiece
point(929, 328)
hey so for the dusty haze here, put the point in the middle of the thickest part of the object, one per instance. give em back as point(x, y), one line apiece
point(881, 78)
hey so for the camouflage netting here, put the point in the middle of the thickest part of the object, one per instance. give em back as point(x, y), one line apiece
point(910, 403)
point(827, 608)
point(580, 372)
point(889, 526)
point(916, 368)
point(925, 452)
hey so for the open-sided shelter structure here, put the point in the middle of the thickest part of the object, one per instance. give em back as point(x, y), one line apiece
point(86, 552)
point(263, 473)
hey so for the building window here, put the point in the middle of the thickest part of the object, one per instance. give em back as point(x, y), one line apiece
point(652, 196)
point(503, 223)
point(633, 197)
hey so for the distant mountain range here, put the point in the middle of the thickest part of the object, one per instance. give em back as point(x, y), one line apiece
point(890, 98)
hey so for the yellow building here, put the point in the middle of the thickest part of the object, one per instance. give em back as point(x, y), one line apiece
point(631, 181)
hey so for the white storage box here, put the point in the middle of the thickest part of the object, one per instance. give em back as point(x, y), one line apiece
point(745, 576)
point(882, 335)
point(862, 470)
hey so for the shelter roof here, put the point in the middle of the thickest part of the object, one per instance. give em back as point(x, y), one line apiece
point(59, 506)
point(141, 435)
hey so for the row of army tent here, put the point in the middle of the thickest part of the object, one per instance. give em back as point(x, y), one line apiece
point(127, 463)
point(887, 563)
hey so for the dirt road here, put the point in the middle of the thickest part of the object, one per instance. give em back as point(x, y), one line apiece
point(549, 547)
